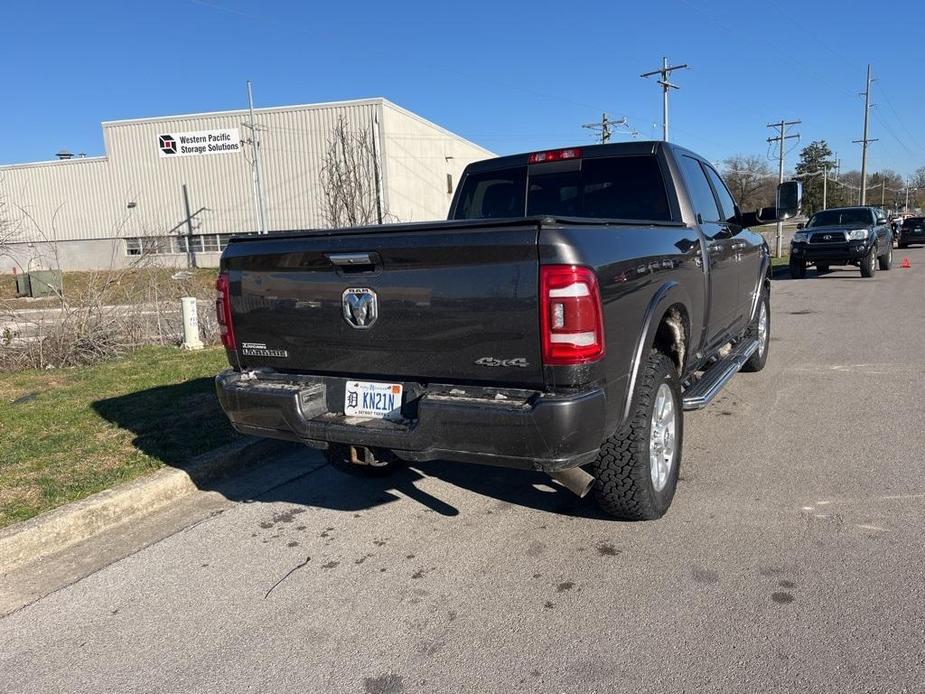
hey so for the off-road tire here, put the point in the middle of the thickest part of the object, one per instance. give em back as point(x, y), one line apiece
point(886, 260)
point(757, 361)
point(903, 245)
point(869, 263)
point(797, 269)
point(624, 486)
point(821, 269)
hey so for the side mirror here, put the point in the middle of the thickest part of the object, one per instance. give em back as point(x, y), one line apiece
point(789, 199)
point(789, 203)
point(881, 220)
point(800, 226)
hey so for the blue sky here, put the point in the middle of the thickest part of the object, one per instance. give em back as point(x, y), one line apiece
point(512, 76)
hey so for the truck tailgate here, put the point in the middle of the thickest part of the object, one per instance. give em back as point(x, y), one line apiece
point(454, 302)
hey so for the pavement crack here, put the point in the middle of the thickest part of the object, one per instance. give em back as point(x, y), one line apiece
point(288, 574)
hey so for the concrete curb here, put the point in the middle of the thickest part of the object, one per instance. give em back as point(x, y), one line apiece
point(780, 272)
point(65, 526)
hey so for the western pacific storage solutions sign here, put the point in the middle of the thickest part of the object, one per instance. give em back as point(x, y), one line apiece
point(199, 143)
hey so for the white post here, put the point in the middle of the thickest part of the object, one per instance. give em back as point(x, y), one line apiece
point(190, 323)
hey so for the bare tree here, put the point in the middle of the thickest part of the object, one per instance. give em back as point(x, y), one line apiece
point(750, 180)
point(350, 178)
point(8, 231)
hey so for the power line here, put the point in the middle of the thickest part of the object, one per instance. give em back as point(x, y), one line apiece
point(898, 118)
point(665, 72)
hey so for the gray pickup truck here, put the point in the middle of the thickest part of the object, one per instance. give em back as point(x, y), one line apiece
point(573, 305)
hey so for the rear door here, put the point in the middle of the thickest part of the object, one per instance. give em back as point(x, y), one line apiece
point(746, 253)
point(448, 301)
point(721, 256)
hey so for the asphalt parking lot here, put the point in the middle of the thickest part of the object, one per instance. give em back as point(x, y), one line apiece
point(791, 560)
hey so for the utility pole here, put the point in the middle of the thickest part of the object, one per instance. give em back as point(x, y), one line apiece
point(825, 184)
point(190, 255)
point(260, 201)
point(866, 140)
point(604, 127)
point(665, 72)
point(376, 176)
point(782, 139)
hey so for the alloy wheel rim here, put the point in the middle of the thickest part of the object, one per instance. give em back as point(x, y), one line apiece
point(762, 329)
point(662, 443)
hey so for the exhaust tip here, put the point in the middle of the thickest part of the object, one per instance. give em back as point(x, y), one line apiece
point(575, 480)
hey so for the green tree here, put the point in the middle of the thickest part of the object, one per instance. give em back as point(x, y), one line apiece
point(815, 158)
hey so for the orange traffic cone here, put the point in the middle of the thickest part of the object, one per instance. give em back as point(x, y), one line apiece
point(905, 265)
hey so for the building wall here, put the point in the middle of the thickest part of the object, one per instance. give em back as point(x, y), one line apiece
point(86, 199)
point(418, 157)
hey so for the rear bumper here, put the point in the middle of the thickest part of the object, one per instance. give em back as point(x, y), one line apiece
point(832, 253)
point(506, 427)
point(912, 236)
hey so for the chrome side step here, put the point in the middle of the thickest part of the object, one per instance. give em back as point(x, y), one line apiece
point(711, 383)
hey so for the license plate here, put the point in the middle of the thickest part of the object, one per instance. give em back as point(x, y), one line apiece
point(372, 400)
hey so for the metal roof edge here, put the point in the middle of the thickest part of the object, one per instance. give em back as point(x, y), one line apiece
point(242, 111)
point(54, 162)
point(450, 133)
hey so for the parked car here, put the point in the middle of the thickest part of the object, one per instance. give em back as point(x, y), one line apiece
point(575, 303)
point(843, 236)
point(912, 231)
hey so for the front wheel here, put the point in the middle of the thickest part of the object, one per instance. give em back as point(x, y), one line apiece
point(886, 261)
point(797, 269)
point(637, 467)
point(869, 263)
point(760, 329)
point(821, 269)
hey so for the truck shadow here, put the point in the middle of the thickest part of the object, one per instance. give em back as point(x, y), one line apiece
point(176, 423)
point(173, 423)
point(327, 486)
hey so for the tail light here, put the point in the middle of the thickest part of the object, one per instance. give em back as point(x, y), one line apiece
point(223, 310)
point(571, 318)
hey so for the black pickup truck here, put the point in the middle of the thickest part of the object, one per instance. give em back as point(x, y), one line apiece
point(575, 302)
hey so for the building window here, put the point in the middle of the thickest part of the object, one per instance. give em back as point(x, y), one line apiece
point(177, 245)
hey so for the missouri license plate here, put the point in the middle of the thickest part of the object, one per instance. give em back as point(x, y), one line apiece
point(372, 400)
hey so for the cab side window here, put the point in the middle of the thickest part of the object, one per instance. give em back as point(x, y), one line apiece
point(699, 188)
point(726, 202)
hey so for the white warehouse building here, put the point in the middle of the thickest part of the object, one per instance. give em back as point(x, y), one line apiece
point(98, 212)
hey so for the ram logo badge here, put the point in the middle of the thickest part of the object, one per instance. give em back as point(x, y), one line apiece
point(361, 307)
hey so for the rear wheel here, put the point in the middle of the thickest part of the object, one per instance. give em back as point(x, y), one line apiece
point(821, 269)
point(797, 269)
point(886, 260)
point(637, 467)
point(869, 263)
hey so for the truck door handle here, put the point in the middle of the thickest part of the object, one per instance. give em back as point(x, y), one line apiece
point(362, 263)
point(347, 259)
